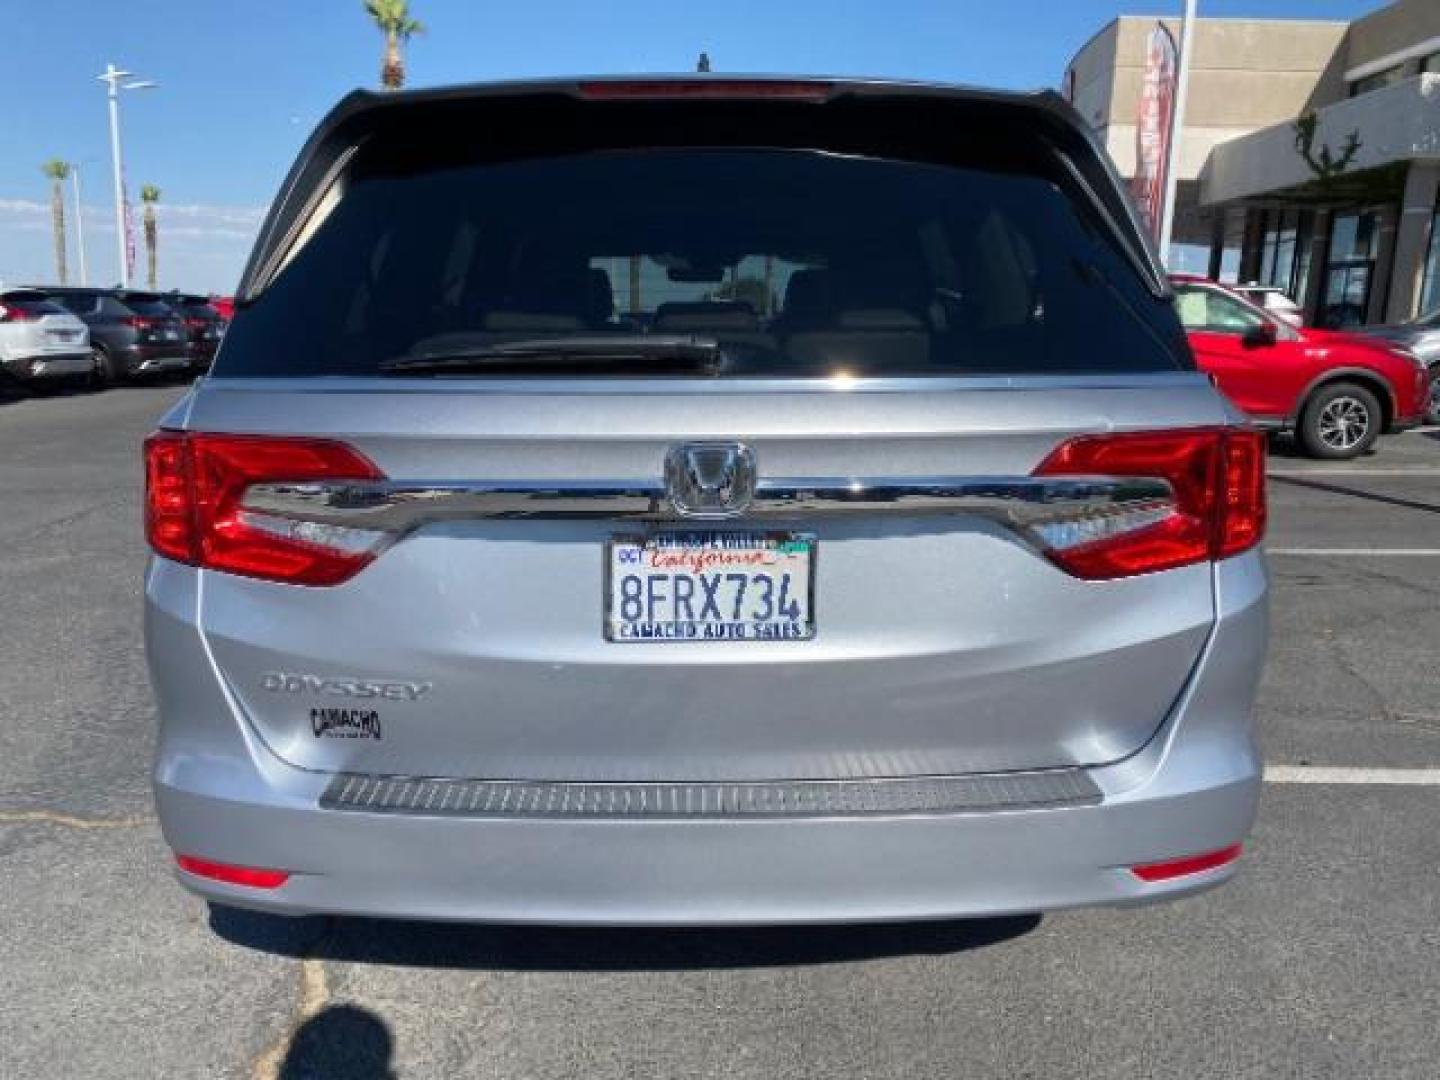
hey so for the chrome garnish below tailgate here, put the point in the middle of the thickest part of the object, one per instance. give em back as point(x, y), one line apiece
point(397, 507)
point(976, 793)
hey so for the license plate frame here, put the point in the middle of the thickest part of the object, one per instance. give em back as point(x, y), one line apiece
point(792, 630)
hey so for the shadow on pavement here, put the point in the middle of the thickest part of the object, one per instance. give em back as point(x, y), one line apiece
point(526, 948)
point(340, 1041)
point(1332, 488)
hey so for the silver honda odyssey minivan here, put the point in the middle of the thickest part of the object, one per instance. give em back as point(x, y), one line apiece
point(699, 500)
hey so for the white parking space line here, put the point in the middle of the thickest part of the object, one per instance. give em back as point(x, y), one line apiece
point(1327, 774)
point(1357, 553)
point(1397, 470)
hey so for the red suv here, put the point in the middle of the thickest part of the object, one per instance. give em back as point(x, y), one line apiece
point(1336, 391)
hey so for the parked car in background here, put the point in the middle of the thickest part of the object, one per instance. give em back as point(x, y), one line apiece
point(40, 342)
point(936, 594)
point(1274, 301)
point(1422, 337)
point(204, 327)
point(131, 334)
point(1337, 391)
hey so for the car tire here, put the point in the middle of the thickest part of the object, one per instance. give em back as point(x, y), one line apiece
point(102, 367)
point(1432, 415)
point(1341, 420)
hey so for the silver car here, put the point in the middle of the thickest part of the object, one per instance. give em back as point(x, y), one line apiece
point(697, 501)
point(1422, 337)
point(39, 340)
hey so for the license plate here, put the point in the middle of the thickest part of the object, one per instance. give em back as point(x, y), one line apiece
point(710, 586)
point(64, 335)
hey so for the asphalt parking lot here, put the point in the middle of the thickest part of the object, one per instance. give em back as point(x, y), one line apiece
point(1321, 960)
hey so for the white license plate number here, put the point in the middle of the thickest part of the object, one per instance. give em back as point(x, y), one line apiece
point(710, 586)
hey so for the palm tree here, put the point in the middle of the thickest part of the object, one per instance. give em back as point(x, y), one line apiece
point(57, 171)
point(150, 195)
point(393, 19)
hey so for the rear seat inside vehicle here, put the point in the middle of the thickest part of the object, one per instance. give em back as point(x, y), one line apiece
point(557, 297)
point(858, 320)
point(729, 320)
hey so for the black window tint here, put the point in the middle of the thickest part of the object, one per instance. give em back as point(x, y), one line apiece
point(79, 304)
point(151, 308)
point(798, 263)
point(32, 303)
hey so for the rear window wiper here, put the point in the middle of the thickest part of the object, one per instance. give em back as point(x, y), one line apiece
point(601, 353)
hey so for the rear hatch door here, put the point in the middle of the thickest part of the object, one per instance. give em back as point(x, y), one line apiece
point(896, 317)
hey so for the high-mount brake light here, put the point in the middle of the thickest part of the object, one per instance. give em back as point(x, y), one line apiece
point(639, 89)
point(1216, 508)
point(195, 511)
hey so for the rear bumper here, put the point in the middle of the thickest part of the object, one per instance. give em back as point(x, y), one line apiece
point(202, 354)
point(223, 796)
point(156, 359)
point(49, 365)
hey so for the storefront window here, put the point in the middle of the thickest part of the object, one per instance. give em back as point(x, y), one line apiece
point(1304, 244)
point(1430, 280)
point(1285, 251)
point(1267, 248)
point(1348, 272)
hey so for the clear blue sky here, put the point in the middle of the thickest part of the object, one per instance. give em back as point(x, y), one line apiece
point(243, 82)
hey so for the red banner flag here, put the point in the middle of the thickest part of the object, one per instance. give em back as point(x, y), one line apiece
point(1153, 128)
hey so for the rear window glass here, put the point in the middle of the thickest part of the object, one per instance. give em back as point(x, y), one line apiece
point(79, 303)
point(31, 303)
point(152, 308)
point(797, 263)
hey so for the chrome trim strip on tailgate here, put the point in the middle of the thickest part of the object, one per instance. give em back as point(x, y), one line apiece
point(975, 793)
point(397, 507)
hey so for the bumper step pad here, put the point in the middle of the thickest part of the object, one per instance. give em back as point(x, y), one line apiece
point(975, 793)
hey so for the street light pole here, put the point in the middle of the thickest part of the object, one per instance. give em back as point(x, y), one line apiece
point(1177, 132)
point(79, 225)
point(112, 78)
point(113, 85)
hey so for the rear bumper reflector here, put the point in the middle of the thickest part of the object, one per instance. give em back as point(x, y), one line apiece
point(250, 876)
point(1191, 864)
point(795, 798)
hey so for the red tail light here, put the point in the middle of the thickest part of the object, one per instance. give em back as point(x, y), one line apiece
point(1217, 509)
point(1191, 864)
point(195, 512)
point(141, 322)
point(15, 313)
point(252, 876)
point(193, 323)
point(633, 89)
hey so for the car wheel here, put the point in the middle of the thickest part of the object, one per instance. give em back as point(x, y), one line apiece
point(1432, 415)
point(1340, 421)
point(102, 367)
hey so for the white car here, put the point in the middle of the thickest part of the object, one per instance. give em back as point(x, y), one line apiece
point(39, 339)
point(1274, 300)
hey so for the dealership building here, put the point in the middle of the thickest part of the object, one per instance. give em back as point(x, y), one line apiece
point(1310, 156)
